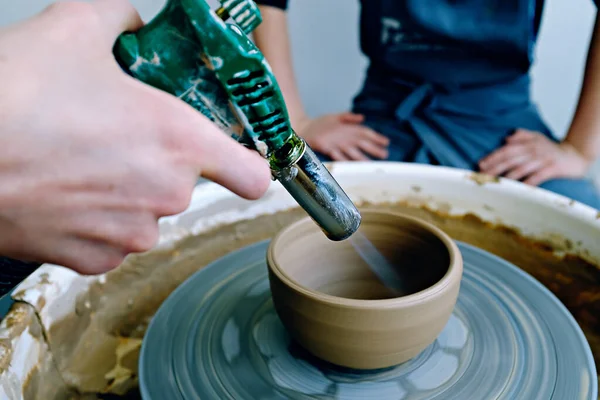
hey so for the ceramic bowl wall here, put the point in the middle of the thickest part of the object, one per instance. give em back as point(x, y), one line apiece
point(331, 298)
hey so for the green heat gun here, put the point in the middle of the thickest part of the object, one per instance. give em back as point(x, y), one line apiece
point(205, 58)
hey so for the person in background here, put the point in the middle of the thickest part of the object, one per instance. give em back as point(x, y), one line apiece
point(91, 158)
point(448, 83)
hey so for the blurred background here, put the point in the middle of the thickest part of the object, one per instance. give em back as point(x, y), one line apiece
point(329, 65)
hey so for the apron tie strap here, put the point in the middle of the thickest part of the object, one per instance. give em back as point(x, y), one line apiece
point(418, 97)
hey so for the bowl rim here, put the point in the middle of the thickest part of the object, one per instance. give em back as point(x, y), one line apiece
point(452, 276)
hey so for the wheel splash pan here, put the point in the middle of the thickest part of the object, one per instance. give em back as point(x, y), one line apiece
point(70, 336)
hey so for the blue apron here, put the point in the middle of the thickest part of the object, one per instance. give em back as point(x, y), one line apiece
point(448, 81)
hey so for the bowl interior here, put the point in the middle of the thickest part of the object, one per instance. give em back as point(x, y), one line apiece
point(390, 256)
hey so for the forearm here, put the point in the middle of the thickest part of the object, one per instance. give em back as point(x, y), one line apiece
point(272, 38)
point(584, 133)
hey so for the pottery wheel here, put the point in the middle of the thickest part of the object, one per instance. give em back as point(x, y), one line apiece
point(218, 337)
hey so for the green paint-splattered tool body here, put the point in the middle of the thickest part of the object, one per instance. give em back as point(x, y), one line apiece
point(190, 51)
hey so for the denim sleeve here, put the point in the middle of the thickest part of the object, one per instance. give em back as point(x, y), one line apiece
point(282, 4)
point(12, 272)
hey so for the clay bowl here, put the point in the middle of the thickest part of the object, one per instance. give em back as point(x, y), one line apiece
point(335, 306)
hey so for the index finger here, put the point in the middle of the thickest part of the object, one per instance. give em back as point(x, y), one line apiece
point(375, 137)
point(521, 135)
point(217, 156)
point(226, 162)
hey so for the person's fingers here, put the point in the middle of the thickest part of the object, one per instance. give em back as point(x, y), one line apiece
point(199, 143)
point(229, 164)
point(373, 149)
point(86, 257)
point(117, 16)
point(337, 155)
point(503, 159)
point(133, 232)
point(371, 135)
point(220, 158)
point(541, 176)
point(351, 118)
point(354, 154)
point(525, 169)
point(501, 168)
point(522, 135)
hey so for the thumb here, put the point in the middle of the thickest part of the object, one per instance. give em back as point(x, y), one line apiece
point(117, 16)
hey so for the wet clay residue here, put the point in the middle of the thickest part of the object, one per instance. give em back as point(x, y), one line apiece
point(482, 179)
point(93, 347)
point(44, 382)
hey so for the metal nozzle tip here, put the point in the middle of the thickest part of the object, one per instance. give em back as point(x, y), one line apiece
point(313, 187)
point(344, 230)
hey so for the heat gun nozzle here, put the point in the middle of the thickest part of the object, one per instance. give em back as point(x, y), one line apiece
point(320, 195)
